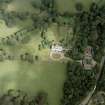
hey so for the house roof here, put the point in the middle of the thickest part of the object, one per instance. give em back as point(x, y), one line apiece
point(57, 48)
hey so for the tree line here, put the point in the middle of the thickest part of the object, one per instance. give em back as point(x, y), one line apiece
point(19, 97)
point(77, 84)
point(89, 29)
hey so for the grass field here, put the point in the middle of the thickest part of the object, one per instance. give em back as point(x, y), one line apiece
point(44, 75)
point(64, 5)
point(69, 5)
point(47, 76)
point(20, 5)
point(5, 31)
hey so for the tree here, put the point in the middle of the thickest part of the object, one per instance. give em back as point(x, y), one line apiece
point(41, 98)
point(18, 97)
point(79, 6)
point(36, 4)
point(36, 57)
point(6, 1)
point(78, 81)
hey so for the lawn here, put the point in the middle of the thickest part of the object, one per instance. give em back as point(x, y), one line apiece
point(5, 31)
point(44, 75)
point(48, 76)
point(64, 5)
point(20, 6)
point(69, 5)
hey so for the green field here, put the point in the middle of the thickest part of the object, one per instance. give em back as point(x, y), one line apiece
point(41, 76)
point(20, 5)
point(64, 5)
point(5, 31)
point(44, 75)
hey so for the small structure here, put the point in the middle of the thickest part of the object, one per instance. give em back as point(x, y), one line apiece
point(57, 48)
point(88, 62)
point(56, 51)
